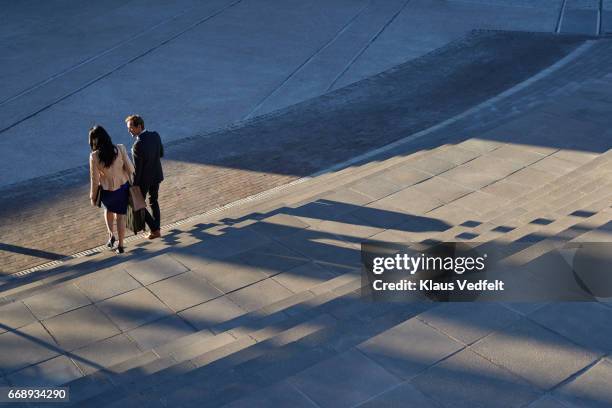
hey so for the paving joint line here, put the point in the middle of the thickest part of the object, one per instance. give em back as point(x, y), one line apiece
point(310, 58)
point(88, 60)
point(561, 16)
point(121, 66)
point(368, 44)
point(599, 18)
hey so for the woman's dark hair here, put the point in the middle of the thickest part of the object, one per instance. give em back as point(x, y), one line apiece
point(99, 140)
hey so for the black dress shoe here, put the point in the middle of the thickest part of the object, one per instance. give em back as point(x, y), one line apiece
point(111, 242)
point(119, 250)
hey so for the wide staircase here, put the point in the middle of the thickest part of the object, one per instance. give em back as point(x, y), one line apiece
point(287, 323)
point(275, 343)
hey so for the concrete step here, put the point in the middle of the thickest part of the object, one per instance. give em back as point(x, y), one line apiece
point(559, 188)
point(519, 222)
point(278, 364)
point(216, 384)
point(213, 373)
point(274, 359)
point(244, 331)
point(557, 199)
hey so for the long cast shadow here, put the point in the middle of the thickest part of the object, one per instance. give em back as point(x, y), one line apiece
point(30, 251)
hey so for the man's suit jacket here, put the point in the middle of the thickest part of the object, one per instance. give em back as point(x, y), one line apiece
point(147, 152)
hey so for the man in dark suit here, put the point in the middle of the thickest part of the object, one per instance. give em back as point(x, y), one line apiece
point(147, 152)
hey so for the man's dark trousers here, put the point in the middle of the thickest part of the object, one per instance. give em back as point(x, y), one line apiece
point(147, 152)
point(153, 220)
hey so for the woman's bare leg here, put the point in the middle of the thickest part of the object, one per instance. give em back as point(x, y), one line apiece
point(121, 228)
point(109, 217)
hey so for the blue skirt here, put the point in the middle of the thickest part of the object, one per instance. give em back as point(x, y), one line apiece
point(116, 201)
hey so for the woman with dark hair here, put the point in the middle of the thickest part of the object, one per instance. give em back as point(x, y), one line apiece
point(110, 171)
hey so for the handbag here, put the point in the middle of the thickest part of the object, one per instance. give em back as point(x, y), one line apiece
point(135, 219)
point(136, 198)
point(98, 197)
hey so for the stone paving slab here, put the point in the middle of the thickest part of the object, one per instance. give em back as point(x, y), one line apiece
point(229, 276)
point(259, 294)
point(349, 226)
point(29, 345)
point(546, 131)
point(107, 283)
point(568, 319)
point(409, 200)
point(442, 189)
point(328, 385)
point(160, 332)
point(154, 269)
point(468, 322)
point(506, 190)
point(480, 202)
point(15, 315)
point(422, 26)
point(467, 380)
point(530, 177)
point(590, 389)
point(403, 395)
point(546, 402)
point(555, 165)
point(55, 372)
point(314, 212)
point(376, 187)
point(578, 19)
point(452, 214)
point(380, 215)
point(432, 166)
point(133, 309)
point(279, 225)
point(458, 153)
point(213, 313)
point(347, 196)
point(92, 326)
point(303, 277)
point(279, 395)
point(56, 301)
point(579, 108)
point(271, 258)
point(482, 171)
point(184, 291)
point(329, 252)
point(517, 154)
point(105, 353)
point(543, 358)
point(409, 348)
